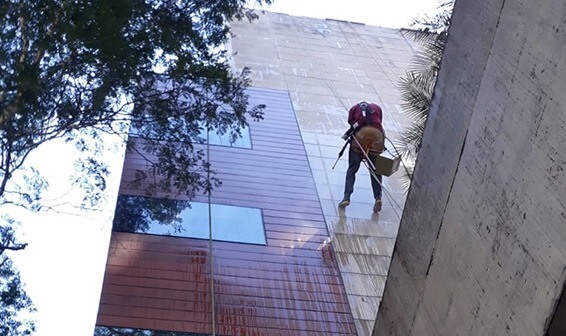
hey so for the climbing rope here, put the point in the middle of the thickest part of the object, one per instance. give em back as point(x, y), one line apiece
point(210, 252)
point(372, 172)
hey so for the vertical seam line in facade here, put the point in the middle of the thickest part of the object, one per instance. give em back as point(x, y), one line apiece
point(210, 253)
point(278, 56)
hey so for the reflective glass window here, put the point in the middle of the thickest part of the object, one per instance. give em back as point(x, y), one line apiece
point(188, 219)
point(224, 140)
point(116, 331)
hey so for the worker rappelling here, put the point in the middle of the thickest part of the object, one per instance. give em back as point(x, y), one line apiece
point(366, 139)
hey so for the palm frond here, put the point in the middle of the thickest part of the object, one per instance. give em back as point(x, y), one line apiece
point(429, 55)
point(417, 88)
point(407, 178)
point(416, 92)
point(413, 136)
point(437, 23)
point(419, 35)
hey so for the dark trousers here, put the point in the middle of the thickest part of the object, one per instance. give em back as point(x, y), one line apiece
point(354, 161)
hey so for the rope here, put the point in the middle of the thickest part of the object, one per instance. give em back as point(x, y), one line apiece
point(372, 173)
point(370, 166)
point(400, 157)
point(368, 51)
point(210, 252)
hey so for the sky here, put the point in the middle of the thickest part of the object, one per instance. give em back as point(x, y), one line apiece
point(64, 263)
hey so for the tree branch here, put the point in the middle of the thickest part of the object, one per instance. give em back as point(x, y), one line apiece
point(6, 167)
point(17, 247)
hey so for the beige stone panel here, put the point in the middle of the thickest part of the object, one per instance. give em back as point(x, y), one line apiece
point(363, 244)
point(364, 327)
point(365, 227)
point(363, 264)
point(364, 307)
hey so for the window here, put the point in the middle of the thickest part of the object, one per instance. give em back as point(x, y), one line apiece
point(224, 140)
point(114, 331)
point(243, 141)
point(139, 214)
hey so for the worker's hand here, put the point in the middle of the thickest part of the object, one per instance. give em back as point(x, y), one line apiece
point(349, 132)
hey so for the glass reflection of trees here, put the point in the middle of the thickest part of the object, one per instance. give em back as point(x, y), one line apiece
point(114, 331)
point(136, 213)
point(162, 216)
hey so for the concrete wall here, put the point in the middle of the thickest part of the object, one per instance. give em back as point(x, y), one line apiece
point(482, 244)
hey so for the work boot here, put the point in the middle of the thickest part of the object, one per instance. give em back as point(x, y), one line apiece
point(377, 205)
point(344, 202)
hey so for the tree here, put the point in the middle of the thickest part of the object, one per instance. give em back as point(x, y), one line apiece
point(136, 213)
point(112, 331)
point(79, 69)
point(417, 87)
point(13, 299)
point(74, 69)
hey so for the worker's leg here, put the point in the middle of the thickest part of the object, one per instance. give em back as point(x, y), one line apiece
point(354, 160)
point(375, 185)
point(376, 188)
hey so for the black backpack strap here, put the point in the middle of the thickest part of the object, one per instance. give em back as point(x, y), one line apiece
point(367, 112)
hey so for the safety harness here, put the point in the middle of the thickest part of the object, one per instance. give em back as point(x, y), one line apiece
point(367, 111)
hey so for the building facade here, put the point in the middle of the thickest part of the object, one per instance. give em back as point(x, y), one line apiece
point(287, 261)
point(274, 271)
point(327, 66)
